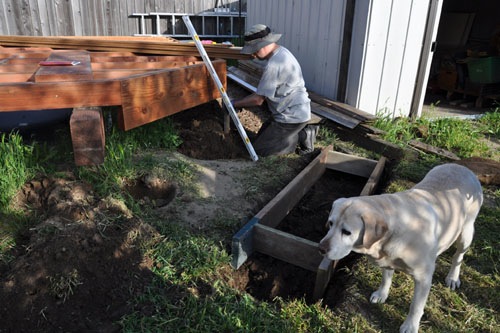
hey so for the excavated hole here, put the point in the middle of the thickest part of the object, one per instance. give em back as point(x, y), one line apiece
point(266, 278)
point(149, 190)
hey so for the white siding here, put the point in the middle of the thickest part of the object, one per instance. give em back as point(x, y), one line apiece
point(312, 31)
point(386, 50)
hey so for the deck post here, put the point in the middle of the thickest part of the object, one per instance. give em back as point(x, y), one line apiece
point(87, 135)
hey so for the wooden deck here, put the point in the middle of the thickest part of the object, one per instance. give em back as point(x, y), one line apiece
point(144, 87)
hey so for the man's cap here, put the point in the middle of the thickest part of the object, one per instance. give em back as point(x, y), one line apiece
point(257, 37)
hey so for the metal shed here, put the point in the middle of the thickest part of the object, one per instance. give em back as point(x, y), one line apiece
point(371, 54)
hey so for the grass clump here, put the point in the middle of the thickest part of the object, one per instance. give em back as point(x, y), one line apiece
point(463, 138)
point(16, 166)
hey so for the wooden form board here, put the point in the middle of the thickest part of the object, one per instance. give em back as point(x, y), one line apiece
point(260, 235)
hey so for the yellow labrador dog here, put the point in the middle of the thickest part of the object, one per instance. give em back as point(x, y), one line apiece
point(407, 230)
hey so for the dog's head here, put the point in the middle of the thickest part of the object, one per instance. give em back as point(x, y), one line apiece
point(353, 225)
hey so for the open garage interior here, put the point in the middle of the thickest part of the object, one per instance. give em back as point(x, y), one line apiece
point(465, 72)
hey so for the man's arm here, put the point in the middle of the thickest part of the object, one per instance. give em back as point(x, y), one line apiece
point(250, 100)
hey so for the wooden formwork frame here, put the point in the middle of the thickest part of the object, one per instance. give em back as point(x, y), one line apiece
point(260, 235)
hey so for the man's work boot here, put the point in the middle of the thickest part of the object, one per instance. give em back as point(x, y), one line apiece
point(307, 138)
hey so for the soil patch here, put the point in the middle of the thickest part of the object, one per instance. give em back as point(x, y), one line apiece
point(80, 267)
point(76, 270)
point(203, 135)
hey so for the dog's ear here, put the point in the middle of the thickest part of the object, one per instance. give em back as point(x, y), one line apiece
point(375, 228)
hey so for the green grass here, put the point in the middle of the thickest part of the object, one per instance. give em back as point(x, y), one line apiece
point(193, 289)
point(121, 149)
point(464, 138)
point(16, 166)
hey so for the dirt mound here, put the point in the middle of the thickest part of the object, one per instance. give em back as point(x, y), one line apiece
point(203, 135)
point(77, 269)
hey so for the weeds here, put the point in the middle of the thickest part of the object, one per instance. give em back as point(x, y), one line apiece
point(460, 137)
point(63, 286)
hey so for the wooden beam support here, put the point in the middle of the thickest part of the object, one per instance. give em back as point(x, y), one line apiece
point(146, 98)
point(87, 134)
point(50, 95)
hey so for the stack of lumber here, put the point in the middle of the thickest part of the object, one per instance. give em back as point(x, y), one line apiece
point(146, 45)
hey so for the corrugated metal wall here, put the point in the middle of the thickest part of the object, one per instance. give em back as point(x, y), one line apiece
point(312, 30)
point(92, 17)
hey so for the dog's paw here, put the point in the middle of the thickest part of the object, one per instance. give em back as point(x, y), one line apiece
point(452, 279)
point(452, 283)
point(408, 327)
point(378, 297)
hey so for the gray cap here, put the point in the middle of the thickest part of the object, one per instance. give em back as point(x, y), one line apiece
point(257, 37)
